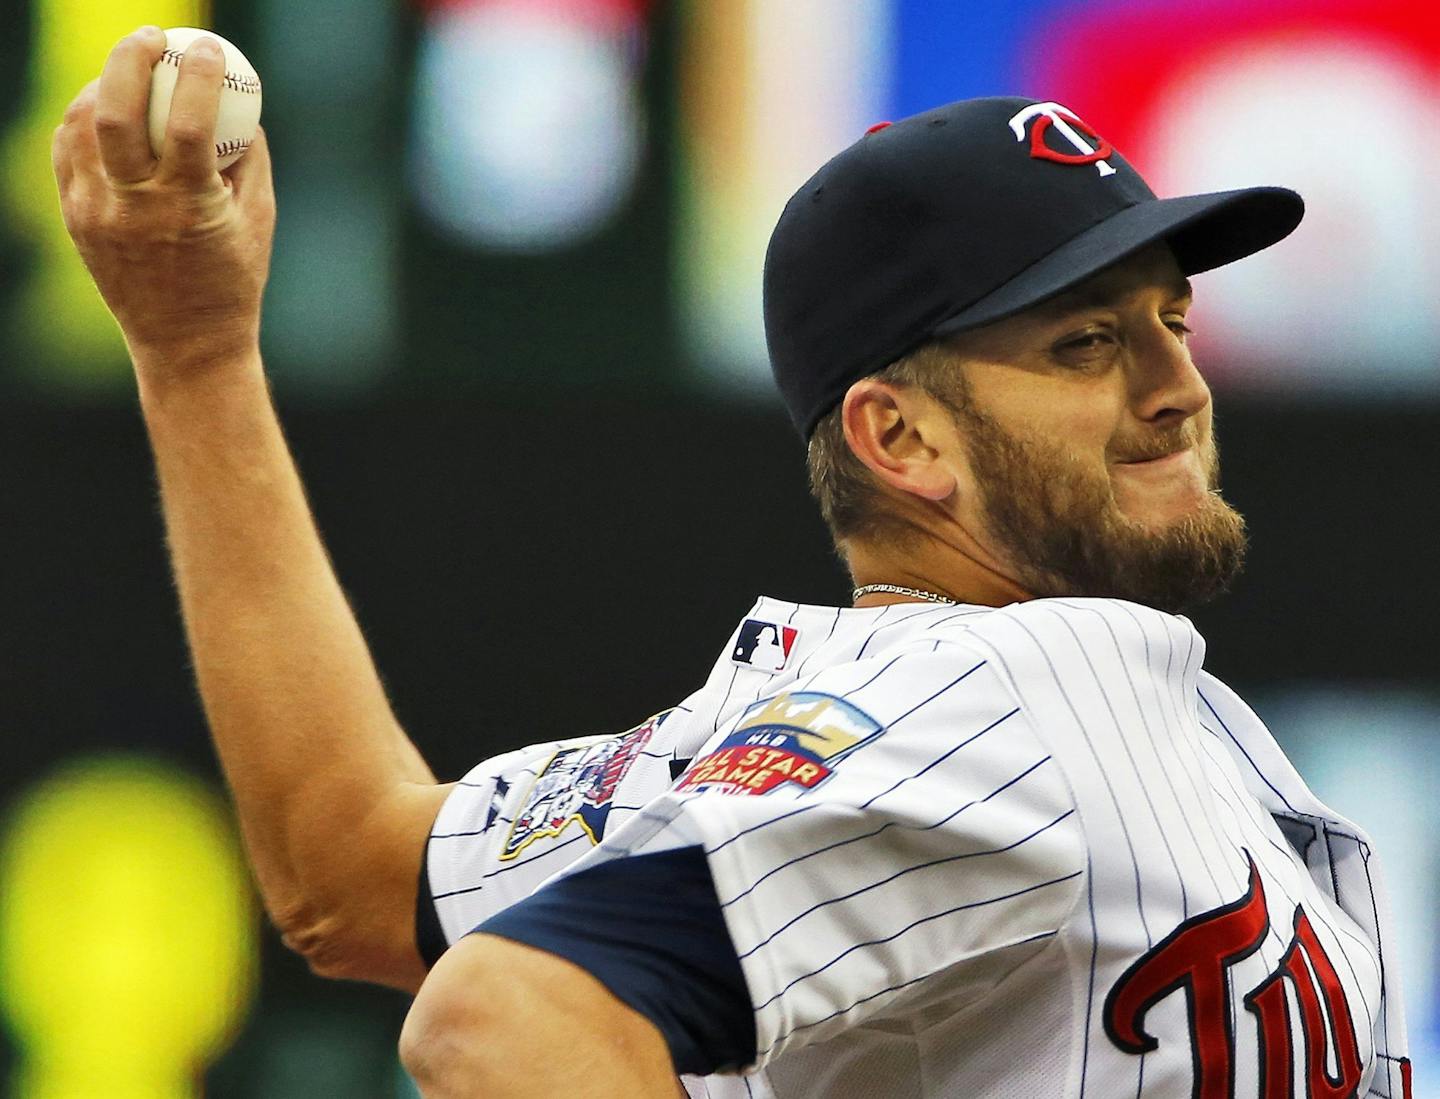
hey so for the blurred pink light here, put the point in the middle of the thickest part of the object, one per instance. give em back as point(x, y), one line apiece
point(1110, 61)
point(601, 14)
point(1335, 98)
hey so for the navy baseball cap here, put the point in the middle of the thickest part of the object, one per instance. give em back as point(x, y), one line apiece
point(965, 215)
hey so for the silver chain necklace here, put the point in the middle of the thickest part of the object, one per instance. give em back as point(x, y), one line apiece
point(896, 589)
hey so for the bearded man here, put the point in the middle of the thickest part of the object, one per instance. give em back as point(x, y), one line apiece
point(990, 831)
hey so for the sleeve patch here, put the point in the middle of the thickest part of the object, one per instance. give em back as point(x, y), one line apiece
point(764, 645)
point(576, 786)
point(794, 737)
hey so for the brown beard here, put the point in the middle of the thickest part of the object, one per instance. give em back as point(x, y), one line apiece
point(1058, 522)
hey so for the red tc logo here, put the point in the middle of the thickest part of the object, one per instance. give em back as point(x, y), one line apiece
point(1069, 126)
point(1195, 957)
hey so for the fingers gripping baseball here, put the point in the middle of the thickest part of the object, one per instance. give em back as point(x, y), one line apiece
point(124, 86)
point(179, 251)
point(190, 134)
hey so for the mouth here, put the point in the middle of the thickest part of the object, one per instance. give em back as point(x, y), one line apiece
point(1162, 461)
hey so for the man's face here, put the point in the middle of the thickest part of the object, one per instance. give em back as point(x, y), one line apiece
point(1087, 458)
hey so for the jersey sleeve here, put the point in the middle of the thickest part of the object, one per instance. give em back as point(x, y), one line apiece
point(886, 834)
point(516, 819)
point(678, 970)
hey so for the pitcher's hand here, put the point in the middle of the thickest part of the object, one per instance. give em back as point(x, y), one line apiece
point(179, 251)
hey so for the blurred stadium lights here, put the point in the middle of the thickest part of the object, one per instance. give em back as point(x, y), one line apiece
point(1335, 98)
point(1369, 753)
point(1349, 304)
point(528, 125)
point(66, 336)
point(331, 74)
point(127, 932)
point(768, 92)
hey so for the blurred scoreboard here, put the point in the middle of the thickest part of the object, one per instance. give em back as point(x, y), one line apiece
point(1335, 98)
point(579, 192)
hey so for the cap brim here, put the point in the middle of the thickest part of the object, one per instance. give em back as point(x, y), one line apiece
point(1204, 231)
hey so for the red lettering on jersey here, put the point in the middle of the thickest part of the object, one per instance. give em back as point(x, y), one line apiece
point(1277, 1048)
point(1277, 1044)
point(1196, 956)
point(1193, 957)
point(1341, 1029)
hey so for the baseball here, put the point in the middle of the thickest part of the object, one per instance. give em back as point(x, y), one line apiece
point(239, 99)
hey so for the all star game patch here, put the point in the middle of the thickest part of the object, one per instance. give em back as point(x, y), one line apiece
point(797, 737)
point(576, 786)
point(764, 646)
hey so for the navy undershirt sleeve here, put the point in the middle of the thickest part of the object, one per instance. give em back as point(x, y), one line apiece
point(429, 938)
point(650, 929)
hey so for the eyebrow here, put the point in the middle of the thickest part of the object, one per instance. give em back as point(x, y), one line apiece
point(1080, 298)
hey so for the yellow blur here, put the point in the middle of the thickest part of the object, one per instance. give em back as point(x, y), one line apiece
point(127, 933)
point(59, 319)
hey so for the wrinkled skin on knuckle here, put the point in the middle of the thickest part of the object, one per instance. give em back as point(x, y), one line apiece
point(86, 219)
point(108, 121)
point(187, 134)
point(80, 106)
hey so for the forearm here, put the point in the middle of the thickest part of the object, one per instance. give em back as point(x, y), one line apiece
point(300, 720)
point(334, 802)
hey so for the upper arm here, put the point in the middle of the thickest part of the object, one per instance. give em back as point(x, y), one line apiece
point(517, 819)
point(497, 1018)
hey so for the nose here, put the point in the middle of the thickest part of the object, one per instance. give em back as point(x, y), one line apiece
point(1165, 387)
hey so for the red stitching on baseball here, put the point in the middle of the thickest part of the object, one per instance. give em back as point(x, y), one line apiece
point(235, 81)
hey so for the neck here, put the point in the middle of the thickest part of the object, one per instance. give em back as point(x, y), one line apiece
point(930, 566)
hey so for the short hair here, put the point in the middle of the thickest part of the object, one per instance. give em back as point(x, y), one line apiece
point(852, 503)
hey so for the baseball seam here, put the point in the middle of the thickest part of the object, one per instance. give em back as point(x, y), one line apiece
point(238, 82)
point(234, 145)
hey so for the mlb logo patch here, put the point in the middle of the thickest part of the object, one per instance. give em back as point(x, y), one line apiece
point(764, 646)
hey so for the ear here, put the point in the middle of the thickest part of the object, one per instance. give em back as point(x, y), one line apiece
point(894, 430)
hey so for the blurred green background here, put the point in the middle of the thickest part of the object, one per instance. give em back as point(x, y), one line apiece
point(513, 326)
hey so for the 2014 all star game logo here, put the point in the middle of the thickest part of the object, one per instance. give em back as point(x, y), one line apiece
point(797, 737)
point(576, 787)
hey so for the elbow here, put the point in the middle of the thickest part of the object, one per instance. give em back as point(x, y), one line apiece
point(348, 907)
point(316, 934)
point(332, 944)
point(440, 1050)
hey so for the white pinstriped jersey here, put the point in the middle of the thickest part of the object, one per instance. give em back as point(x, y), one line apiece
point(962, 851)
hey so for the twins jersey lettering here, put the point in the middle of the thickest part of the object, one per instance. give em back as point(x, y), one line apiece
point(962, 851)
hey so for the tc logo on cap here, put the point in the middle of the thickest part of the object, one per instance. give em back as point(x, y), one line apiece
point(1068, 125)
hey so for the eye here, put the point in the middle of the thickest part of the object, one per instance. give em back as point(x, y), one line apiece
point(1179, 327)
point(1086, 341)
point(1086, 348)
